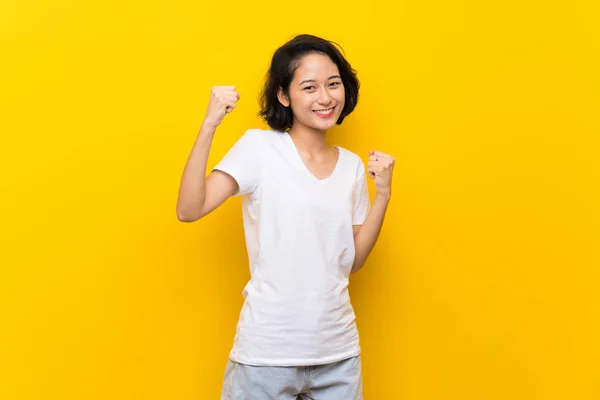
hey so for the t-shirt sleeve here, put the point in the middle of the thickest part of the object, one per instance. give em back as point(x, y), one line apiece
point(362, 203)
point(242, 162)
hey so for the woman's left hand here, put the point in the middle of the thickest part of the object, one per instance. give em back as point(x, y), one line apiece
point(380, 169)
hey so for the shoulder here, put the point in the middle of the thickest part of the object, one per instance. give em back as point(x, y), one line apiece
point(263, 135)
point(260, 143)
point(251, 140)
point(354, 161)
point(253, 133)
point(269, 135)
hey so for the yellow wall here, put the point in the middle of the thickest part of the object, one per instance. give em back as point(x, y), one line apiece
point(484, 284)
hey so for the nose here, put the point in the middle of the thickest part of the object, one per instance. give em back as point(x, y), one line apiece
point(324, 97)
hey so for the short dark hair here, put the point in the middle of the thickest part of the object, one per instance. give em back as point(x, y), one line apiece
point(284, 64)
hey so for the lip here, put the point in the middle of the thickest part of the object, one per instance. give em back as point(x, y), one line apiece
point(325, 115)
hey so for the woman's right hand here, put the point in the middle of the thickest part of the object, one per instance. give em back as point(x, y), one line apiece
point(222, 101)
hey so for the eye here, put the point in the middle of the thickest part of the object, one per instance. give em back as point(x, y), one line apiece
point(336, 83)
point(308, 87)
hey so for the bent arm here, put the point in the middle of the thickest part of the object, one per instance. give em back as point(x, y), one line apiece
point(198, 194)
point(365, 235)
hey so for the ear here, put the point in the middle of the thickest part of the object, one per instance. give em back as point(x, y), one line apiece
point(283, 99)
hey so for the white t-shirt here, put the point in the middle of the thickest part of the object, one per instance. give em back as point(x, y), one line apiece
point(300, 243)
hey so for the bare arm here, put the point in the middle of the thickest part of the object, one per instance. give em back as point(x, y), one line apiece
point(198, 194)
point(366, 235)
point(380, 169)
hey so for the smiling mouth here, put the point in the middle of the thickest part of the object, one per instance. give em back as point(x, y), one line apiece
point(324, 112)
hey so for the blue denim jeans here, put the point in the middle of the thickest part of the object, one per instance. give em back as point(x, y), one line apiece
point(341, 380)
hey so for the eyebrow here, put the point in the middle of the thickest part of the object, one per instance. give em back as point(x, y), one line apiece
point(312, 80)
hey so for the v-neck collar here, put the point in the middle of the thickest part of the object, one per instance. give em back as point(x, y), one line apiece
point(301, 165)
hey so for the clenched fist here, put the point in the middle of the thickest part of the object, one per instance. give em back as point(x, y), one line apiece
point(380, 169)
point(222, 101)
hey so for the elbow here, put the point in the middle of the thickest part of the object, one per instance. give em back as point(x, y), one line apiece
point(355, 268)
point(186, 219)
point(359, 262)
point(186, 216)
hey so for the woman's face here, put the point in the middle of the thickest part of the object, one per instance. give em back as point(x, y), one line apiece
point(316, 94)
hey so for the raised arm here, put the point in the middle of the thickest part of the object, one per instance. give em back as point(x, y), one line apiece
point(380, 169)
point(199, 194)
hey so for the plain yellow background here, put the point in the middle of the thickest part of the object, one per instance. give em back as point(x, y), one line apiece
point(483, 285)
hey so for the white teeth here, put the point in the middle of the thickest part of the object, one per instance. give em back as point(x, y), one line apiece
point(324, 112)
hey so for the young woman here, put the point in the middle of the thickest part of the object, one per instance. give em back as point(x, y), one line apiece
point(308, 224)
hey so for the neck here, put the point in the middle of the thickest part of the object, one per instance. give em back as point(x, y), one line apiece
point(309, 139)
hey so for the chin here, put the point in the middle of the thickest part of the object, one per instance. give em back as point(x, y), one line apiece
point(330, 122)
point(323, 126)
